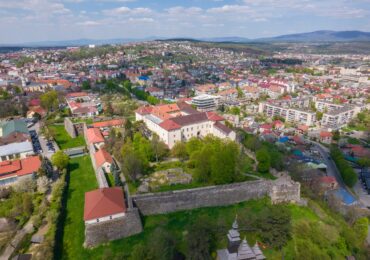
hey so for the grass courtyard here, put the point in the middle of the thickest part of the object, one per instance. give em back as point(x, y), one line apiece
point(308, 223)
point(63, 139)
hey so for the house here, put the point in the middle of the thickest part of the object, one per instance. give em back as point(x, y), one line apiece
point(103, 205)
point(16, 150)
point(155, 92)
point(103, 160)
point(108, 124)
point(278, 125)
point(83, 104)
point(265, 128)
point(328, 182)
point(238, 249)
point(12, 171)
point(94, 137)
point(326, 137)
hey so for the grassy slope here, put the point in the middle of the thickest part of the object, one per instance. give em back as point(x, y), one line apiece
point(82, 179)
point(63, 140)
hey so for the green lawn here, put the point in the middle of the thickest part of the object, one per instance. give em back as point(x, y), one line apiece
point(63, 139)
point(316, 221)
point(81, 180)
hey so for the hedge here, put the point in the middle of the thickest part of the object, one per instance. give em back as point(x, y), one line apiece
point(346, 171)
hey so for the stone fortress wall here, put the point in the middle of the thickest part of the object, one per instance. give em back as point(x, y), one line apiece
point(70, 128)
point(280, 190)
point(212, 196)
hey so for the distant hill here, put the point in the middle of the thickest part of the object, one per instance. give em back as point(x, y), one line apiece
point(321, 36)
point(316, 36)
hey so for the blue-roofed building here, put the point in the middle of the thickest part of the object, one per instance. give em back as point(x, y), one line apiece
point(345, 196)
point(11, 127)
point(283, 139)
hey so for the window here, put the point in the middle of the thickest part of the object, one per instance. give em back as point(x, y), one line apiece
point(97, 220)
point(3, 158)
point(110, 217)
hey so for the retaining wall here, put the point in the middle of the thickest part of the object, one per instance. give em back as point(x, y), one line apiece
point(222, 195)
point(102, 232)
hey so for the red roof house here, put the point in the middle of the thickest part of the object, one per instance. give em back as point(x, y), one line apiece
point(94, 136)
point(18, 168)
point(326, 137)
point(103, 159)
point(102, 203)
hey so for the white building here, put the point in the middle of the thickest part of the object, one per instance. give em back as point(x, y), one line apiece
point(205, 102)
point(297, 115)
point(16, 151)
point(180, 122)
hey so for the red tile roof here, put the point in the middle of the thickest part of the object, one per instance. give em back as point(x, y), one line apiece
point(169, 125)
point(328, 179)
point(101, 157)
point(110, 123)
point(94, 136)
point(21, 167)
point(325, 134)
point(77, 94)
point(104, 202)
point(214, 116)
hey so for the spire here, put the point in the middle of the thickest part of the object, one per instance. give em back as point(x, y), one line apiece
point(257, 251)
point(244, 251)
point(235, 224)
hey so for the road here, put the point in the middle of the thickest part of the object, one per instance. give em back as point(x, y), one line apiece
point(42, 140)
point(331, 168)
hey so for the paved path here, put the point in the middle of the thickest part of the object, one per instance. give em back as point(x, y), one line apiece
point(27, 229)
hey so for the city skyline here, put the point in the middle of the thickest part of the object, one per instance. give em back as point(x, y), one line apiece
point(45, 20)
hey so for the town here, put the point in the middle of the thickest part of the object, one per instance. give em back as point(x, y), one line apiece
point(178, 149)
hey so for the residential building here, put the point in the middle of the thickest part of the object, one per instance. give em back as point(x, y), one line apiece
point(83, 104)
point(298, 115)
point(16, 150)
point(205, 103)
point(13, 170)
point(94, 137)
point(338, 117)
point(104, 205)
point(103, 160)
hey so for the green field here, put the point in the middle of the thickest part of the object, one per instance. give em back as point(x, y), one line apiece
point(316, 231)
point(63, 139)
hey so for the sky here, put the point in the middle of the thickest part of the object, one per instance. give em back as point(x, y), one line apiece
point(53, 20)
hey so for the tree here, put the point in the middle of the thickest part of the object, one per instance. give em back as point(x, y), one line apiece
point(319, 115)
point(60, 160)
point(109, 109)
point(364, 162)
point(25, 185)
point(199, 240)
point(275, 226)
point(139, 252)
point(43, 184)
point(132, 165)
point(115, 173)
point(264, 160)
point(223, 163)
point(361, 227)
point(86, 85)
point(179, 151)
point(159, 147)
point(161, 245)
point(49, 100)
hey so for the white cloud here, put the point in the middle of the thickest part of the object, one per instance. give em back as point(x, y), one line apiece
point(123, 10)
point(231, 9)
point(89, 23)
point(141, 20)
